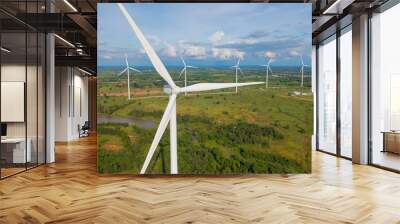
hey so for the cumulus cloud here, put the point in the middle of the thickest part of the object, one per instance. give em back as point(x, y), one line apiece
point(170, 51)
point(294, 53)
point(219, 38)
point(194, 51)
point(227, 53)
point(268, 54)
point(216, 37)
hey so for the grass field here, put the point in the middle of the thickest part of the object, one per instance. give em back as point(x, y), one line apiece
point(257, 131)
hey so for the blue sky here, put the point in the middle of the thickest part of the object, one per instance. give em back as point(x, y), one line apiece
point(207, 34)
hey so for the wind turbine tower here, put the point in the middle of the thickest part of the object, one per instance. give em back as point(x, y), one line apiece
point(185, 66)
point(237, 68)
point(302, 73)
point(268, 67)
point(127, 68)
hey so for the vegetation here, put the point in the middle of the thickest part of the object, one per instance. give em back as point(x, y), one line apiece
point(257, 131)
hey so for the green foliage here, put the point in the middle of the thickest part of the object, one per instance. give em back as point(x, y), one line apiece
point(257, 131)
point(245, 133)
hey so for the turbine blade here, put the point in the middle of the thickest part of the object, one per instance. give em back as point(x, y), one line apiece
point(134, 69)
point(180, 74)
point(270, 69)
point(126, 60)
point(122, 72)
point(240, 70)
point(213, 86)
point(183, 61)
point(160, 131)
point(155, 60)
point(189, 66)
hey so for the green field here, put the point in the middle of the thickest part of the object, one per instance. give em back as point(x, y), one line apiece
point(257, 131)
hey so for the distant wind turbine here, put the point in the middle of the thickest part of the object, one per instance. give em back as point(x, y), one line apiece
point(302, 72)
point(127, 68)
point(173, 90)
point(268, 69)
point(237, 68)
point(185, 66)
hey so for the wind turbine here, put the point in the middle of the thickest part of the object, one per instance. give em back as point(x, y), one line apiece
point(302, 73)
point(127, 71)
point(237, 68)
point(268, 67)
point(169, 115)
point(185, 66)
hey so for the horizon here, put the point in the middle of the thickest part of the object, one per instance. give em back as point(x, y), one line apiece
point(281, 68)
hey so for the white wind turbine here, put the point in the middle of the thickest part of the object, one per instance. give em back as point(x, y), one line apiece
point(268, 67)
point(302, 73)
point(237, 68)
point(127, 71)
point(170, 111)
point(185, 66)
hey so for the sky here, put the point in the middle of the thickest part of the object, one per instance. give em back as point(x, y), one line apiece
point(207, 34)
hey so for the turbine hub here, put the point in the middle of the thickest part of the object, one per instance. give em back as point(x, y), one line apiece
point(168, 90)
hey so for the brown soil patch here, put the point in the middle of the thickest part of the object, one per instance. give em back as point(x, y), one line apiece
point(112, 147)
point(136, 92)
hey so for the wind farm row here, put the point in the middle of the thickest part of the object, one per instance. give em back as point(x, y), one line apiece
point(236, 67)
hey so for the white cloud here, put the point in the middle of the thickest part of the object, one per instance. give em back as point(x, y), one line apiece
point(107, 57)
point(268, 54)
point(220, 38)
point(216, 37)
point(227, 53)
point(194, 51)
point(294, 52)
point(170, 51)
